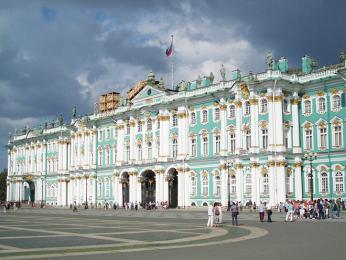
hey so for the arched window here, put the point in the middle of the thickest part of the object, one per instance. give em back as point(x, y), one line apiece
point(231, 143)
point(339, 182)
point(265, 183)
point(107, 156)
point(193, 118)
point(337, 136)
point(100, 159)
point(307, 107)
point(308, 139)
point(127, 153)
point(175, 120)
point(308, 182)
point(247, 139)
point(107, 188)
point(139, 127)
point(264, 105)
point(285, 106)
point(217, 185)
point(264, 143)
point(150, 151)
point(174, 148)
point(193, 147)
point(193, 186)
point(321, 105)
point(204, 116)
point(231, 111)
point(248, 184)
point(336, 102)
point(128, 129)
point(217, 144)
point(324, 183)
point(99, 188)
point(149, 124)
point(139, 149)
point(108, 134)
point(323, 137)
point(205, 185)
point(217, 114)
point(233, 184)
point(247, 108)
point(205, 145)
point(114, 154)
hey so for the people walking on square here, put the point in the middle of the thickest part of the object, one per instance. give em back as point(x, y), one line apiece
point(216, 211)
point(210, 222)
point(289, 214)
point(261, 209)
point(234, 213)
point(220, 210)
point(269, 212)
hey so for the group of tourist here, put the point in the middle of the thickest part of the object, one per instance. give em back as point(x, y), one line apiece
point(215, 214)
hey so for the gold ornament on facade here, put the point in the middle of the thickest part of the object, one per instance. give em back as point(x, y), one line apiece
point(264, 124)
point(307, 126)
point(338, 168)
point(336, 123)
point(164, 117)
point(264, 170)
point(295, 101)
point(204, 174)
point(238, 166)
point(232, 173)
point(287, 124)
point(254, 164)
point(306, 96)
point(298, 164)
point(271, 163)
point(270, 98)
point(322, 124)
point(289, 171)
point(334, 91)
point(182, 115)
point(238, 104)
point(253, 101)
point(320, 93)
point(244, 90)
point(223, 107)
point(278, 98)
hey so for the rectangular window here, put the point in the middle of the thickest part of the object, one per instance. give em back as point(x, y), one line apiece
point(205, 146)
point(337, 136)
point(193, 147)
point(308, 139)
point(217, 114)
point(232, 142)
point(217, 144)
point(323, 137)
point(264, 138)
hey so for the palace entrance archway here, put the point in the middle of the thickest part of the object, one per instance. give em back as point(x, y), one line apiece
point(172, 179)
point(148, 187)
point(29, 191)
point(125, 180)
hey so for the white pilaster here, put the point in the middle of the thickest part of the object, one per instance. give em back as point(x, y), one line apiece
point(298, 179)
point(223, 136)
point(279, 124)
point(239, 180)
point(164, 135)
point(254, 124)
point(183, 129)
point(239, 120)
point(120, 142)
point(224, 186)
point(295, 120)
point(133, 149)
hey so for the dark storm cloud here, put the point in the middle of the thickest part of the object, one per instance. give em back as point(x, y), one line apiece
point(45, 45)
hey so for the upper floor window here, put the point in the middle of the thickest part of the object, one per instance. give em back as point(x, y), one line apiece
point(321, 105)
point(193, 186)
point(205, 185)
point(265, 183)
point(217, 114)
point(264, 105)
point(286, 105)
point(149, 124)
point(193, 118)
point(231, 111)
point(264, 138)
point(247, 139)
point(150, 150)
point(217, 185)
point(248, 184)
point(174, 148)
point(307, 107)
point(337, 135)
point(231, 147)
point(193, 147)
point(323, 137)
point(127, 153)
point(324, 182)
point(339, 182)
point(233, 184)
point(175, 120)
point(247, 108)
point(308, 139)
point(128, 129)
point(217, 144)
point(205, 145)
point(139, 127)
point(100, 135)
point(108, 134)
point(336, 102)
point(204, 116)
point(139, 150)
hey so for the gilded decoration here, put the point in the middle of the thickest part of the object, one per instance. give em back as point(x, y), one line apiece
point(307, 126)
point(320, 93)
point(223, 107)
point(289, 171)
point(270, 98)
point(164, 117)
point(287, 124)
point(323, 168)
point(295, 101)
point(253, 101)
point(204, 174)
point(204, 107)
point(298, 164)
point(277, 98)
point(254, 164)
point(238, 166)
point(238, 103)
point(306, 96)
point(322, 124)
point(174, 136)
point(182, 115)
point(336, 123)
point(271, 163)
point(264, 124)
point(244, 90)
point(338, 168)
point(215, 104)
point(334, 91)
point(232, 173)
point(264, 170)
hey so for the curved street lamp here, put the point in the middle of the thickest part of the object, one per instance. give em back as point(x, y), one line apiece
point(311, 157)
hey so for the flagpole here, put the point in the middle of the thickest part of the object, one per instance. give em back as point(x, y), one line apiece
point(172, 63)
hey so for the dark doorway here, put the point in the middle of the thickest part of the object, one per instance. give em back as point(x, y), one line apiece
point(125, 188)
point(173, 188)
point(29, 192)
point(148, 187)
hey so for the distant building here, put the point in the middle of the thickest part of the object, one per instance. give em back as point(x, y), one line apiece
point(241, 139)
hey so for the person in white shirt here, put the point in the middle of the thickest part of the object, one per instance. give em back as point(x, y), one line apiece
point(210, 222)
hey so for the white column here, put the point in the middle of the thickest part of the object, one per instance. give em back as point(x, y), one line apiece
point(295, 120)
point(120, 194)
point(280, 181)
point(72, 160)
point(238, 133)
point(272, 184)
point(223, 136)
point(78, 180)
point(94, 149)
point(298, 179)
point(158, 186)
point(254, 124)
point(93, 191)
point(180, 188)
point(255, 183)
point(271, 141)
point(120, 142)
point(138, 189)
point(164, 135)
point(186, 188)
point(63, 193)
point(132, 187)
point(183, 133)
point(115, 188)
point(278, 123)
point(239, 180)
point(132, 139)
point(86, 148)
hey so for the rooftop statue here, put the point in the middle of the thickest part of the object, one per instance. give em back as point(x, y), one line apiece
point(223, 72)
point(342, 57)
point(74, 112)
point(161, 84)
point(151, 78)
point(96, 108)
point(199, 80)
point(183, 85)
point(251, 77)
point(269, 60)
point(60, 120)
point(211, 77)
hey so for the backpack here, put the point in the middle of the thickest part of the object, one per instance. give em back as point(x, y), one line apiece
point(217, 211)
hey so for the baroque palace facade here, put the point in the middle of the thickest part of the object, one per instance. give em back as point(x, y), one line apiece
point(240, 139)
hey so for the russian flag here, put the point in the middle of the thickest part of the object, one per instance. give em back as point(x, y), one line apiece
point(169, 50)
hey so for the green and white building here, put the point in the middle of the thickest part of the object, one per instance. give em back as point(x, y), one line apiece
point(240, 139)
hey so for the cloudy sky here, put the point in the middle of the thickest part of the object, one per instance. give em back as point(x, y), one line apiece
point(57, 54)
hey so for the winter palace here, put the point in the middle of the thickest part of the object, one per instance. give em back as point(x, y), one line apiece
point(269, 137)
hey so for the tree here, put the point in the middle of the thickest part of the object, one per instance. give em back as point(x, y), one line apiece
point(3, 185)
